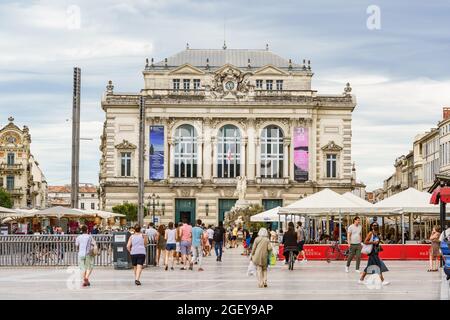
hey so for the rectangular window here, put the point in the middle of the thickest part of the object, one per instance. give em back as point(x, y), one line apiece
point(259, 84)
point(10, 159)
point(186, 84)
point(279, 85)
point(92, 206)
point(176, 84)
point(196, 84)
point(269, 85)
point(125, 170)
point(331, 166)
point(9, 182)
point(82, 206)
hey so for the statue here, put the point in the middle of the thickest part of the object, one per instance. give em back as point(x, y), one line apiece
point(241, 187)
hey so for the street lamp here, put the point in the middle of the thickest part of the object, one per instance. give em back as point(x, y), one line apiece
point(154, 203)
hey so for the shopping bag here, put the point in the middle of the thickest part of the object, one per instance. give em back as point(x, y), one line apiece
point(272, 260)
point(367, 248)
point(251, 270)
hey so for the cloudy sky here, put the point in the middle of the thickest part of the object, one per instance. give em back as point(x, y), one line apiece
point(400, 72)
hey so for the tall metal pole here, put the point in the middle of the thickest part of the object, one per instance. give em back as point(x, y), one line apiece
point(141, 160)
point(75, 137)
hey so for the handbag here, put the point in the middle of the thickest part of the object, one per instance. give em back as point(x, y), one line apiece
point(272, 259)
point(93, 251)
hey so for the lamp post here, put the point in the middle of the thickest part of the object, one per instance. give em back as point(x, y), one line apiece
point(154, 202)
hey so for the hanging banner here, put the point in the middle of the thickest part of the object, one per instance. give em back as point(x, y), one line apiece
point(156, 151)
point(301, 154)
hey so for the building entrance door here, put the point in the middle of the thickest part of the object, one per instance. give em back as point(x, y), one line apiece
point(270, 204)
point(185, 210)
point(224, 206)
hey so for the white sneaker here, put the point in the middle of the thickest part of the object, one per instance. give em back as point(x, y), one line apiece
point(385, 283)
point(357, 271)
point(346, 269)
point(361, 282)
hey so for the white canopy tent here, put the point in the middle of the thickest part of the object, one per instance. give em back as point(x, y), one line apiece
point(267, 216)
point(357, 200)
point(6, 212)
point(100, 213)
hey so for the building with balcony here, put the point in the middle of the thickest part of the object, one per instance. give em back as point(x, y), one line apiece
point(61, 195)
point(214, 115)
point(20, 174)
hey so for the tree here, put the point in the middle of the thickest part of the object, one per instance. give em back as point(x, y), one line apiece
point(130, 210)
point(5, 199)
point(245, 214)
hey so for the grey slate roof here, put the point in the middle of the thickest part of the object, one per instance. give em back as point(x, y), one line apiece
point(220, 57)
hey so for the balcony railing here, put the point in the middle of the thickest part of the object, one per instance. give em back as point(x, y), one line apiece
point(177, 92)
point(6, 167)
point(272, 181)
point(185, 181)
point(15, 192)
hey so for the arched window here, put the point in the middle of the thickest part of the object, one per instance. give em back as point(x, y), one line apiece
point(185, 152)
point(229, 152)
point(272, 152)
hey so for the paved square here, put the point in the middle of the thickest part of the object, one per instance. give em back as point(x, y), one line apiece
point(226, 280)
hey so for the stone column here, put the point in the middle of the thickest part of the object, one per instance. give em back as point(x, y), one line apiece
point(214, 156)
point(258, 157)
point(287, 163)
point(312, 127)
point(172, 158)
point(207, 151)
point(251, 160)
point(243, 156)
point(200, 157)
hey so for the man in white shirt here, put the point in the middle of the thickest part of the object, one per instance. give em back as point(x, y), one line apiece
point(354, 240)
point(84, 243)
point(210, 232)
point(151, 232)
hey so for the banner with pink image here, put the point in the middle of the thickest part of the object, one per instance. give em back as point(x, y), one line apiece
point(301, 154)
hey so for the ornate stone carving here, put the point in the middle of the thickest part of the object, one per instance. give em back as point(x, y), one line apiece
point(125, 145)
point(332, 147)
point(239, 84)
point(347, 89)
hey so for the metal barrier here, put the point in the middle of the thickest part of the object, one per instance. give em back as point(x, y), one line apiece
point(49, 250)
point(150, 259)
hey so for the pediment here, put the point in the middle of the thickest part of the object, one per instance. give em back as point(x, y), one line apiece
point(270, 70)
point(186, 69)
point(227, 67)
point(331, 146)
point(125, 145)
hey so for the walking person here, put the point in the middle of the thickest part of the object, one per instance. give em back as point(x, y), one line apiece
point(185, 245)
point(151, 232)
point(178, 245)
point(160, 243)
point(197, 244)
point(354, 239)
point(260, 253)
point(301, 240)
point(84, 244)
point(210, 238)
point(290, 242)
point(219, 240)
point(136, 247)
point(435, 249)
point(171, 245)
point(374, 263)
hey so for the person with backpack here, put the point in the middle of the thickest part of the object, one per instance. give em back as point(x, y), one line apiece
point(219, 240)
point(136, 247)
point(86, 246)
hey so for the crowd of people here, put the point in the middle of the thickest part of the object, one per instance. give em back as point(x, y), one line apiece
point(186, 246)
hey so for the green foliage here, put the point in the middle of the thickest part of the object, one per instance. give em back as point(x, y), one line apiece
point(245, 214)
point(5, 199)
point(130, 210)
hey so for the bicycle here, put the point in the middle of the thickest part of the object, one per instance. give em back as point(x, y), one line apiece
point(292, 257)
point(334, 252)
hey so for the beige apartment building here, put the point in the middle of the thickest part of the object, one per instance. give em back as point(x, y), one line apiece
point(214, 117)
point(20, 174)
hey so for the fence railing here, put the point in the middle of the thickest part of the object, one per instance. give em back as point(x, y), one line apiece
point(55, 250)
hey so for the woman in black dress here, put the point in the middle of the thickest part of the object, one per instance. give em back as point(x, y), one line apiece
point(374, 264)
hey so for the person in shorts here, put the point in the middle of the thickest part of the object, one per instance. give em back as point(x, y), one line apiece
point(136, 247)
point(185, 245)
point(84, 242)
point(171, 241)
point(210, 237)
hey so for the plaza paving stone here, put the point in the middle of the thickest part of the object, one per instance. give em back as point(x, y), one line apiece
point(226, 280)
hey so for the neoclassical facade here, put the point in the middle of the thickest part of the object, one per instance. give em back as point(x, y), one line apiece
point(20, 174)
point(214, 115)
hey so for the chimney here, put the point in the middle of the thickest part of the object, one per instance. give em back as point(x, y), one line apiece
point(445, 113)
